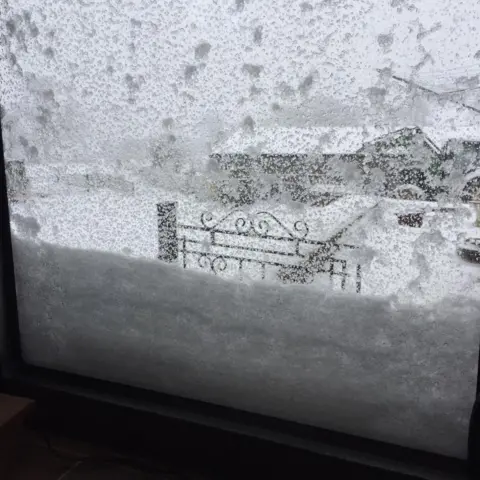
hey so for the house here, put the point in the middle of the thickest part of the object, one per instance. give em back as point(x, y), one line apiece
point(411, 144)
point(310, 163)
point(462, 158)
point(411, 162)
point(264, 162)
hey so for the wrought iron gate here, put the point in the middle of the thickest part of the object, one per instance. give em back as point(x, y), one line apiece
point(260, 239)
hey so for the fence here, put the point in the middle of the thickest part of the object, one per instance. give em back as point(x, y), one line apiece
point(241, 239)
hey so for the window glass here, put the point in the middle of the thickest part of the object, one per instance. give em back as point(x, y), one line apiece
point(272, 206)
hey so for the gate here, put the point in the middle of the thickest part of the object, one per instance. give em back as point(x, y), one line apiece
point(238, 239)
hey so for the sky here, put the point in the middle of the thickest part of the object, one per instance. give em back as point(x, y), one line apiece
point(126, 70)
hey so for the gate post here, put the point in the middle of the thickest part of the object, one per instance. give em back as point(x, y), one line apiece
point(167, 232)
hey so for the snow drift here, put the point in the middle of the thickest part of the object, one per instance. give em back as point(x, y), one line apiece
point(360, 365)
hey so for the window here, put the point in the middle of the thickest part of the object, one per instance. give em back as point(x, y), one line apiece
point(269, 206)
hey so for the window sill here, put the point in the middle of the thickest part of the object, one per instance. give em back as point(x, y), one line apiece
point(159, 424)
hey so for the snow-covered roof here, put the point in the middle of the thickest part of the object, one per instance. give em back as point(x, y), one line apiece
point(291, 140)
point(412, 134)
point(440, 136)
point(329, 140)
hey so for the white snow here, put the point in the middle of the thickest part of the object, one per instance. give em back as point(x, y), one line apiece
point(104, 84)
point(421, 143)
point(108, 221)
point(414, 264)
point(409, 191)
point(472, 175)
point(396, 363)
point(361, 365)
point(418, 265)
point(292, 140)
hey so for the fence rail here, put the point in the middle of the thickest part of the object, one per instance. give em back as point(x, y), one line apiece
point(177, 242)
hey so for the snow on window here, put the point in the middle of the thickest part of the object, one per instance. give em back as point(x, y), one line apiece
point(295, 185)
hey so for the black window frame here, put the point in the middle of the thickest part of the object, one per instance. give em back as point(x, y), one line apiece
point(73, 391)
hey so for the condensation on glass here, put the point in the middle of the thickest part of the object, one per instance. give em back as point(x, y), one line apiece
point(273, 206)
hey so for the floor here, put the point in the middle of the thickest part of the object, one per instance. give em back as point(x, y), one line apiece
point(39, 454)
point(53, 458)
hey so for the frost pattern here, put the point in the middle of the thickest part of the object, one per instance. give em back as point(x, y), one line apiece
point(356, 119)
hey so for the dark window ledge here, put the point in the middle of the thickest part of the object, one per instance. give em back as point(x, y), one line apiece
point(229, 441)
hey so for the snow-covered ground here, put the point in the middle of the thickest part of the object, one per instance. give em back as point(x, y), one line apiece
point(397, 363)
point(418, 265)
point(357, 364)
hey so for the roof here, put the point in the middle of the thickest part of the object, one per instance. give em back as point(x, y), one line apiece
point(332, 140)
point(291, 140)
point(442, 136)
point(405, 141)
